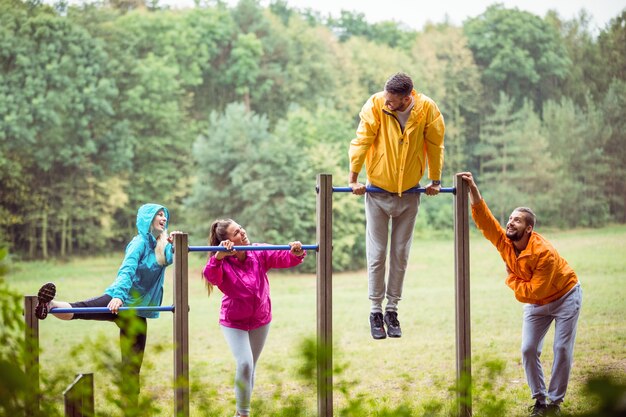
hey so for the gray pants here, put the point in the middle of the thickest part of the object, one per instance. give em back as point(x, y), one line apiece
point(537, 319)
point(402, 211)
point(246, 347)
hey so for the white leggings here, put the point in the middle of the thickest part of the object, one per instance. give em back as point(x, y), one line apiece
point(246, 347)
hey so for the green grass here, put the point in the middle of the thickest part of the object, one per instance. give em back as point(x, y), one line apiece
point(417, 370)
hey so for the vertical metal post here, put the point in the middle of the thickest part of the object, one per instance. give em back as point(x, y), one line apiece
point(181, 326)
point(31, 364)
point(462, 292)
point(79, 397)
point(324, 296)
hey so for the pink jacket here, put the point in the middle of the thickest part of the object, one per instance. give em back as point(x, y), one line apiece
point(246, 303)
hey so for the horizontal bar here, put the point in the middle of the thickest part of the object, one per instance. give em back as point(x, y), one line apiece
point(248, 248)
point(95, 310)
point(414, 190)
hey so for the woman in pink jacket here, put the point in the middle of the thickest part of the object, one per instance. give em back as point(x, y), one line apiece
point(246, 306)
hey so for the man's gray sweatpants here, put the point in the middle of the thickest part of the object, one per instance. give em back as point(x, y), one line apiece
point(537, 319)
point(402, 211)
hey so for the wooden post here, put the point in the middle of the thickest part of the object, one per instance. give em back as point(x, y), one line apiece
point(324, 296)
point(79, 397)
point(31, 362)
point(181, 326)
point(462, 292)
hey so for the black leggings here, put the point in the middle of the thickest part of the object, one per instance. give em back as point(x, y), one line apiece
point(133, 333)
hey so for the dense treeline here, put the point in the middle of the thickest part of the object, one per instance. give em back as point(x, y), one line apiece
point(232, 111)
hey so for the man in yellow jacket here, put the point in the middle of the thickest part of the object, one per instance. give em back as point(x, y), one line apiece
point(543, 280)
point(400, 132)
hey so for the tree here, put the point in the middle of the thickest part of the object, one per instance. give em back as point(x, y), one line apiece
point(519, 53)
point(614, 124)
point(266, 181)
point(577, 141)
point(613, 46)
point(586, 73)
point(514, 158)
point(243, 69)
point(323, 136)
point(163, 59)
point(372, 64)
point(353, 24)
point(448, 74)
point(56, 126)
point(258, 179)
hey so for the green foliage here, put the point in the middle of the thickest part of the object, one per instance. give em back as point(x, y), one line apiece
point(101, 102)
point(610, 393)
point(448, 74)
point(614, 124)
point(582, 163)
point(612, 44)
point(416, 371)
point(55, 87)
point(16, 389)
point(351, 24)
point(585, 73)
point(516, 161)
point(13, 381)
point(519, 53)
point(266, 182)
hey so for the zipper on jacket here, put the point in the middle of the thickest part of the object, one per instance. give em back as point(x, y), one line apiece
point(397, 120)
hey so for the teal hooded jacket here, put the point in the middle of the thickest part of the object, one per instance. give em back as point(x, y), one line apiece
point(140, 279)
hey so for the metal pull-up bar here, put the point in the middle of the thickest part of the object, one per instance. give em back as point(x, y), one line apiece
point(323, 250)
point(462, 295)
point(414, 190)
point(95, 310)
point(247, 248)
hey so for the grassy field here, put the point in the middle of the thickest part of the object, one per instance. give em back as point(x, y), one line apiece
point(417, 370)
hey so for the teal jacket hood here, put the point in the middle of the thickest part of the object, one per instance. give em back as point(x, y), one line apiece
point(140, 278)
point(146, 214)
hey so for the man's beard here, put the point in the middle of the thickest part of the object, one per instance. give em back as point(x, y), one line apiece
point(514, 236)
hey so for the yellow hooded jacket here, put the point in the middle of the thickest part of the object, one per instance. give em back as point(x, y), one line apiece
point(395, 160)
point(538, 275)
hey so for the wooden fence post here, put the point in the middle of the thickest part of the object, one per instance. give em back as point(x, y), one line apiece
point(462, 292)
point(79, 397)
point(181, 325)
point(324, 296)
point(31, 365)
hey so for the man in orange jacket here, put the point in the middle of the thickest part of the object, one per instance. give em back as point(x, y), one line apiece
point(543, 280)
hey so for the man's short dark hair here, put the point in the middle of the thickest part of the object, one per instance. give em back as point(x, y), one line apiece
point(400, 84)
point(529, 215)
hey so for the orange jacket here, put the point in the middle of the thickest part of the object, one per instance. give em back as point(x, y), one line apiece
point(539, 275)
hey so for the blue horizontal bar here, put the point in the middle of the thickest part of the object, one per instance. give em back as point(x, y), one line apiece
point(95, 310)
point(414, 190)
point(247, 248)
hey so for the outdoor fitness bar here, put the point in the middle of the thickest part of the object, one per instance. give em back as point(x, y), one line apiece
point(462, 289)
point(372, 189)
point(95, 310)
point(180, 307)
point(180, 310)
point(247, 248)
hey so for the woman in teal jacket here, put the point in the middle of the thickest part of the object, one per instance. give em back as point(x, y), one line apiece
point(139, 282)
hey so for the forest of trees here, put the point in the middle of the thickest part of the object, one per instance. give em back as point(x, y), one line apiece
point(220, 111)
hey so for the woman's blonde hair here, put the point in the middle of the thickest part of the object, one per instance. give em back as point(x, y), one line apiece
point(159, 249)
point(217, 233)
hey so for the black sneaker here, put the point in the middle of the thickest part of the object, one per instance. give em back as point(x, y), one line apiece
point(553, 410)
point(538, 409)
point(393, 325)
point(44, 296)
point(376, 325)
